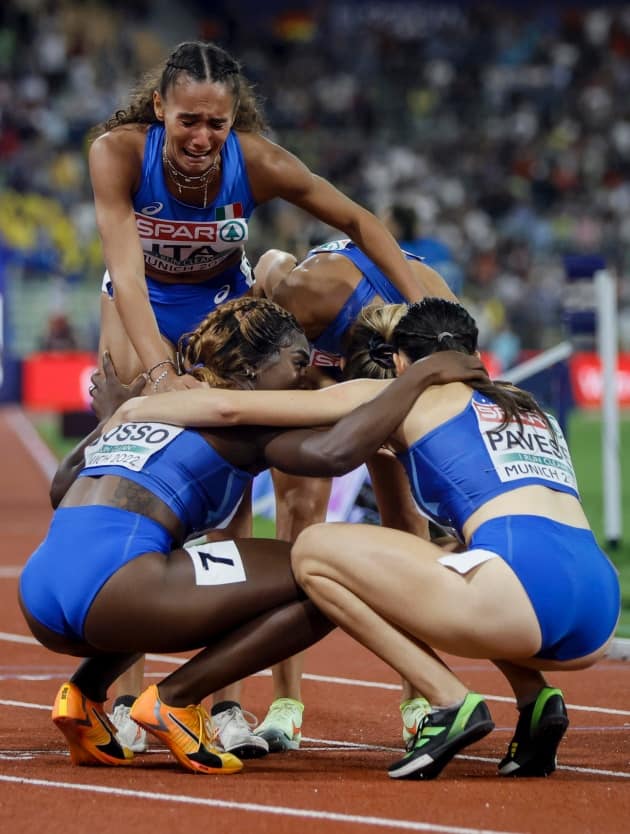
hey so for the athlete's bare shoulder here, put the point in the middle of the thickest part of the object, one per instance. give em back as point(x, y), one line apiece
point(254, 144)
point(118, 152)
point(122, 141)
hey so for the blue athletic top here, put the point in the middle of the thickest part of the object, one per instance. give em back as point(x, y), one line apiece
point(179, 238)
point(468, 460)
point(373, 283)
point(177, 465)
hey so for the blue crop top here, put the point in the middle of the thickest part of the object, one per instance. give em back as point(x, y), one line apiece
point(178, 238)
point(454, 469)
point(373, 283)
point(177, 465)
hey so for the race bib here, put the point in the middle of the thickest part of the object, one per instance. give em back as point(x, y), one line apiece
point(130, 445)
point(527, 451)
point(184, 246)
point(216, 563)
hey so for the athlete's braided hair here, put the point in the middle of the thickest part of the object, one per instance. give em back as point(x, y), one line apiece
point(201, 61)
point(234, 341)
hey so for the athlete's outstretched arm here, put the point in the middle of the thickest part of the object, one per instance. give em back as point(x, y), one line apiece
point(275, 172)
point(358, 435)
point(206, 407)
point(198, 408)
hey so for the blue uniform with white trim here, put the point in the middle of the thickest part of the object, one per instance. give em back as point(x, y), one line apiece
point(87, 545)
point(470, 459)
point(328, 346)
point(178, 239)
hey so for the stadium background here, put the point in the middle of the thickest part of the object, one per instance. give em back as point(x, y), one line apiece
point(504, 127)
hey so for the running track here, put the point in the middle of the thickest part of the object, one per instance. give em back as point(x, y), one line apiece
point(335, 783)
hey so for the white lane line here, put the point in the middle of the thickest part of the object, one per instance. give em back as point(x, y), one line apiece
point(18, 638)
point(621, 774)
point(25, 704)
point(32, 442)
point(173, 659)
point(59, 676)
point(10, 572)
point(278, 810)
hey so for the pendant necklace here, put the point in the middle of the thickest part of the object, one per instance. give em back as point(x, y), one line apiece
point(196, 183)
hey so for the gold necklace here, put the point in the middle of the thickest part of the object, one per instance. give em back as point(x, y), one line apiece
point(195, 183)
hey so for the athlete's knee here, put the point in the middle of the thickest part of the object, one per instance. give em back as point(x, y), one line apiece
point(308, 554)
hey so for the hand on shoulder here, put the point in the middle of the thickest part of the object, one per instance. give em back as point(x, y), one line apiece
point(452, 366)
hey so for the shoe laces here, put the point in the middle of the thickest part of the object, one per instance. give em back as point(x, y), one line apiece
point(207, 732)
point(241, 717)
point(284, 709)
point(120, 714)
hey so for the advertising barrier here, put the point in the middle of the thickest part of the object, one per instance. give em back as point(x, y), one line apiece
point(57, 381)
point(587, 380)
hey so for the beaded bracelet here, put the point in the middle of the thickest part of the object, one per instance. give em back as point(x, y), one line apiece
point(159, 365)
point(160, 377)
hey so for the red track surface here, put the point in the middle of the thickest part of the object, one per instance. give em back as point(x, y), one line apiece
point(336, 782)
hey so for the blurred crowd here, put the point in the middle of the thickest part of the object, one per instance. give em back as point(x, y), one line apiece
point(501, 130)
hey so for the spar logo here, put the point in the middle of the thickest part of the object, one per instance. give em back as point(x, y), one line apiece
point(175, 231)
point(323, 359)
point(233, 231)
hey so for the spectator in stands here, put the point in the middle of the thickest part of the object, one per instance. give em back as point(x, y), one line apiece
point(60, 334)
point(402, 221)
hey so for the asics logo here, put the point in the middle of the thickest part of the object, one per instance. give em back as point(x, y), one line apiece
point(152, 208)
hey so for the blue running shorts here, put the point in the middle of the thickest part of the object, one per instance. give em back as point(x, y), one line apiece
point(572, 585)
point(179, 308)
point(83, 548)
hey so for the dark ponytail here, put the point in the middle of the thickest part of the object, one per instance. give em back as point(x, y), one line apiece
point(435, 324)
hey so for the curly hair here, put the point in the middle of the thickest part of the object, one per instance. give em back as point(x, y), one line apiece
point(236, 340)
point(201, 61)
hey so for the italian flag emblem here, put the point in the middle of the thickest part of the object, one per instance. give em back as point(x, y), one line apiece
point(228, 212)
